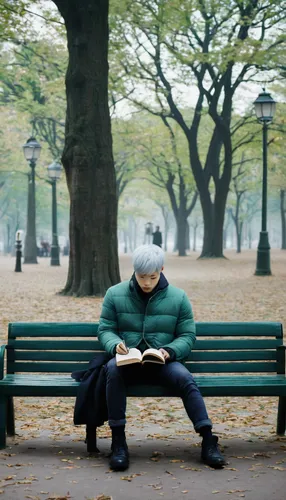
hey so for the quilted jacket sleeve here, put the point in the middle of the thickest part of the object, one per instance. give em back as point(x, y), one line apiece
point(185, 331)
point(108, 328)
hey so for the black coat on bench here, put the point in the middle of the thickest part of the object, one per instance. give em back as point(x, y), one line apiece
point(90, 405)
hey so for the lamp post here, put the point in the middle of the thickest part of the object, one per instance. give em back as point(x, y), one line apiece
point(54, 172)
point(264, 110)
point(32, 151)
point(18, 245)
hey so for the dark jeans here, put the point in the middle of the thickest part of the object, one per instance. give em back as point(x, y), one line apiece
point(173, 375)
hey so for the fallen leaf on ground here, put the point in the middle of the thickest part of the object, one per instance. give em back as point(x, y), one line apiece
point(54, 496)
point(129, 478)
point(276, 468)
point(229, 492)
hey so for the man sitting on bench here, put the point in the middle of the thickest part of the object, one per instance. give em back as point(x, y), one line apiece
point(147, 312)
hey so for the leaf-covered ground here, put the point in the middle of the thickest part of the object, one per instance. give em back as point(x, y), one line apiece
point(225, 290)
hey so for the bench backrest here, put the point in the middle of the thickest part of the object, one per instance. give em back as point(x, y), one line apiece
point(220, 347)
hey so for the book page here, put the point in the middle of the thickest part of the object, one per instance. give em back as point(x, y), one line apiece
point(133, 356)
point(153, 356)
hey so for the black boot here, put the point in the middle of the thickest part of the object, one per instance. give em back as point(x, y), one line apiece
point(119, 459)
point(211, 454)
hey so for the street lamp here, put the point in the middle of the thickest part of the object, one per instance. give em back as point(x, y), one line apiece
point(18, 245)
point(264, 109)
point(32, 151)
point(54, 171)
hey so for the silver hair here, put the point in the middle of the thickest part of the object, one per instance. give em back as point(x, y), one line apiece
point(148, 259)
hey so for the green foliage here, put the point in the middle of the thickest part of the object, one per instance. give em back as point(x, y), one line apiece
point(166, 47)
point(14, 171)
point(160, 50)
point(33, 83)
point(22, 20)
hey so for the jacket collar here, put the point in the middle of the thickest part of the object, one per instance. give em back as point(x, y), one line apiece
point(134, 286)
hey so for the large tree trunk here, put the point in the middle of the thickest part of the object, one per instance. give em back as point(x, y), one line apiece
point(213, 215)
point(87, 156)
point(181, 213)
point(182, 222)
point(188, 246)
point(283, 217)
point(213, 212)
point(238, 227)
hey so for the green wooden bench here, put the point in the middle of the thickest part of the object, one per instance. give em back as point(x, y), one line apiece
point(229, 359)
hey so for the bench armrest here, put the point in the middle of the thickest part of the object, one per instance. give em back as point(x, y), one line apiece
point(2, 354)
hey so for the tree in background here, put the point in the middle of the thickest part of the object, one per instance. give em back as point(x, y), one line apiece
point(162, 149)
point(126, 163)
point(14, 172)
point(215, 46)
point(87, 155)
point(175, 34)
point(33, 83)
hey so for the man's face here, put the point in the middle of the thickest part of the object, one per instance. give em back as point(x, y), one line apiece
point(147, 282)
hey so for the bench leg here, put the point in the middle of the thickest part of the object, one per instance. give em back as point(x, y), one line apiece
point(281, 416)
point(10, 417)
point(90, 440)
point(3, 410)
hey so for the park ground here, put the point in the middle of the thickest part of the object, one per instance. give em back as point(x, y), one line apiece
point(47, 459)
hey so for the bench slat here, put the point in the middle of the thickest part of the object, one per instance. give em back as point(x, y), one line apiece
point(54, 345)
point(52, 355)
point(195, 356)
point(235, 367)
point(249, 355)
point(239, 329)
point(22, 329)
point(35, 367)
point(237, 344)
point(267, 329)
point(67, 367)
point(203, 380)
point(44, 385)
point(92, 345)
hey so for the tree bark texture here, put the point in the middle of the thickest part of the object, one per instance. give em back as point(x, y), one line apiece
point(238, 227)
point(213, 210)
point(182, 222)
point(87, 155)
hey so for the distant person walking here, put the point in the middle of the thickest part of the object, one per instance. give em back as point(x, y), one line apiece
point(157, 237)
point(148, 233)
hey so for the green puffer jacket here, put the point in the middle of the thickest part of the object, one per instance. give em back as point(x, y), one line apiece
point(167, 321)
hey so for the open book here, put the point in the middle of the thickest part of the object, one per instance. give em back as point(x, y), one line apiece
point(135, 356)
